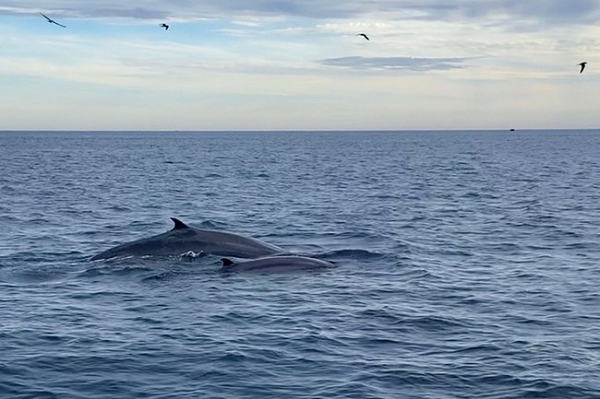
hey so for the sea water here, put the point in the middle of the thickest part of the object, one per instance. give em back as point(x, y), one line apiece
point(466, 265)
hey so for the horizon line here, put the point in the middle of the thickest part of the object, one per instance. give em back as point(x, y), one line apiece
point(292, 130)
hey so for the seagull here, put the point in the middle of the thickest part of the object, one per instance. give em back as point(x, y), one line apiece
point(363, 35)
point(164, 26)
point(583, 64)
point(52, 21)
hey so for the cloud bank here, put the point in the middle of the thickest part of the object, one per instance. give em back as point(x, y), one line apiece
point(397, 63)
point(541, 11)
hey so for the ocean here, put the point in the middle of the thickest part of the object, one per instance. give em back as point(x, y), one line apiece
point(466, 265)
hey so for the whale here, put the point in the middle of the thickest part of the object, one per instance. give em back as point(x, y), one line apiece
point(183, 239)
point(281, 263)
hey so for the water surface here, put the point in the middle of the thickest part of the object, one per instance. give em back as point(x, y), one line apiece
point(466, 265)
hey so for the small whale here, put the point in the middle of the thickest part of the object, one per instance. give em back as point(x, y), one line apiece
point(52, 21)
point(283, 263)
point(164, 26)
point(582, 64)
point(183, 239)
point(363, 35)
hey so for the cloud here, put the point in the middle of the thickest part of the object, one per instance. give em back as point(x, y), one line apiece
point(541, 11)
point(299, 57)
point(397, 63)
point(546, 11)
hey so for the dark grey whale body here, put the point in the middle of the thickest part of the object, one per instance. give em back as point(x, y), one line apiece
point(283, 263)
point(182, 239)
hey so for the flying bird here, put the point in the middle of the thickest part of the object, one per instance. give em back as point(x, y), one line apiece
point(363, 35)
point(52, 21)
point(583, 64)
point(164, 26)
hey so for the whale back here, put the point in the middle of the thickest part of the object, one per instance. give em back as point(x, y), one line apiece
point(183, 238)
point(282, 263)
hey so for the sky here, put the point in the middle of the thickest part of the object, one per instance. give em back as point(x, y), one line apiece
point(299, 65)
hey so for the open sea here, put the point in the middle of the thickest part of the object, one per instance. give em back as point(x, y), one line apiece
point(467, 265)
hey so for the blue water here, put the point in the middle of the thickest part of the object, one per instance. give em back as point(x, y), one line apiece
point(467, 265)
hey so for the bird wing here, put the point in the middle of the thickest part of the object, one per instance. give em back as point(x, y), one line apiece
point(582, 67)
point(52, 21)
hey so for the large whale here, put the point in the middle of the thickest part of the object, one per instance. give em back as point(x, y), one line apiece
point(282, 263)
point(184, 239)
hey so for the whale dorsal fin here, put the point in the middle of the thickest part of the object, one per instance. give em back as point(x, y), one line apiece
point(226, 262)
point(179, 224)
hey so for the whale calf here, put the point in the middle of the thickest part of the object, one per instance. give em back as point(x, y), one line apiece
point(282, 263)
point(182, 239)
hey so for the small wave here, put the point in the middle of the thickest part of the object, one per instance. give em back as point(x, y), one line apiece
point(40, 257)
point(350, 234)
point(384, 197)
point(211, 224)
point(234, 357)
point(388, 316)
point(37, 277)
point(118, 208)
point(303, 248)
point(355, 254)
point(434, 323)
point(162, 276)
point(121, 270)
point(559, 392)
point(8, 218)
point(581, 245)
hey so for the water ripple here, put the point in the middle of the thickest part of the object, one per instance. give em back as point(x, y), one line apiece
point(465, 265)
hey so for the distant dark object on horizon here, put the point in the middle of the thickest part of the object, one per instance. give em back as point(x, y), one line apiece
point(363, 35)
point(512, 130)
point(164, 26)
point(583, 64)
point(52, 21)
